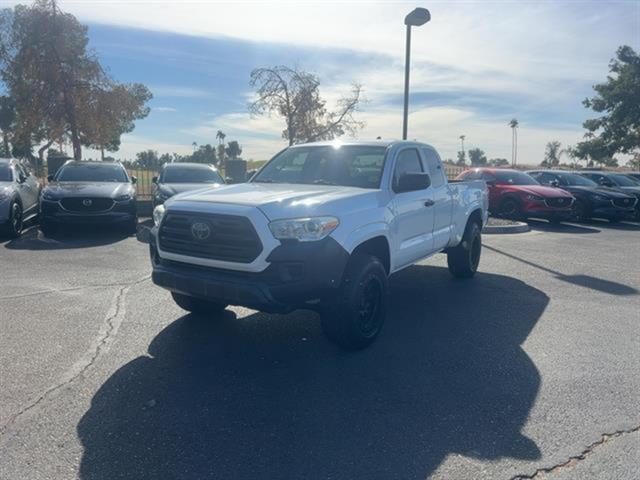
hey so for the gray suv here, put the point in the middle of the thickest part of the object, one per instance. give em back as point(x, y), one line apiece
point(19, 192)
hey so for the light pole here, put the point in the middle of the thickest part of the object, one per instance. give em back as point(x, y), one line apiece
point(416, 18)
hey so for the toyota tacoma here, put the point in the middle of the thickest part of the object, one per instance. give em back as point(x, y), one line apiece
point(321, 226)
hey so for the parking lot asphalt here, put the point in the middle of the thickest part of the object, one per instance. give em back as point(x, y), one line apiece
point(529, 370)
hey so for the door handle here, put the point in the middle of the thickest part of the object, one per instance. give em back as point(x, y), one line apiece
point(429, 203)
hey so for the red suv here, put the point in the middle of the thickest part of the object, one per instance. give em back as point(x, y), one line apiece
point(515, 194)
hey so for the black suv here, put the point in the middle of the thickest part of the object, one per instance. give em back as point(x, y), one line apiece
point(618, 181)
point(89, 193)
point(592, 200)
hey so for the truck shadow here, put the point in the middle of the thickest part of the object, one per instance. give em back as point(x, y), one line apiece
point(268, 397)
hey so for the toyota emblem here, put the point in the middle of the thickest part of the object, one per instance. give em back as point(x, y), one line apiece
point(87, 202)
point(200, 230)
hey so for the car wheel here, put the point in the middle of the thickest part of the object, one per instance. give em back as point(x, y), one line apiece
point(15, 223)
point(580, 211)
point(463, 260)
point(354, 319)
point(198, 305)
point(510, 208)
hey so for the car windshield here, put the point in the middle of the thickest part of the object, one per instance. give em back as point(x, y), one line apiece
point(577, 180)
point(623, 180)
point(346, 165)
point(511, 177)
point(92, 172)
point(5, 172)
point(190, 175)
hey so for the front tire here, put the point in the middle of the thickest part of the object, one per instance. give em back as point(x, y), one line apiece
point(356, 317)
point(580, 211)
point(15, 222)
point(463, 260)
point(198, 305)
point(510, 208)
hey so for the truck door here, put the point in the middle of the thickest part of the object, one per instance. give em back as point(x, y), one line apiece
point(413, 213)
point(442, 198)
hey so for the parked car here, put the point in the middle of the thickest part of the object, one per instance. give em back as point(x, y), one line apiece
point(618, 181)
point(592, 200)
point(321, 226)
point(183, 177)
point(634, 175)
point(514, 194)
point(89, 193)
point(19, 192)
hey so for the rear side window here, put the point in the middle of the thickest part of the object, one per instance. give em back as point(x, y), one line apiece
point(434, 167)
point(5, 173)
point(408, 162)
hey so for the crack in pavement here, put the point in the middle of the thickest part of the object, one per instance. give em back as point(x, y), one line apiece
point(541, 473)
point(108, 329)
point(60, 290)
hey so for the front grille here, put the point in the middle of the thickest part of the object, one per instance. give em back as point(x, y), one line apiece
point(624, 202)
point(86, 204)
point(228, 238)
point(559, 202)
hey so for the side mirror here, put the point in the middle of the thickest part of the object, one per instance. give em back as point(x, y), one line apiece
point(49, 178)
point(154, 180)
point(21, 178)
point(554, 183)
point(411, 182)
point(134, 179)
point(490, 183)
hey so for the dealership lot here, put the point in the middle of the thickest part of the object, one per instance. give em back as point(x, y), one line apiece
point(526, 366)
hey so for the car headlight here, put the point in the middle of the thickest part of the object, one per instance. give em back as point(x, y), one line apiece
point(599, 198)
point(534, 198)
point(303, 229)
point(124, 198)
point(49, 195)
point(4, 193)
point(158, 214)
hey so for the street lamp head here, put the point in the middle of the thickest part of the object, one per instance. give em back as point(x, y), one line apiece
point(417, 17)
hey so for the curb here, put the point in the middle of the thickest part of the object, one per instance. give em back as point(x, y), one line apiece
point(519, 227)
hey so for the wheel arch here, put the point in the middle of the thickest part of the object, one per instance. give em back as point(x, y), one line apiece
point(377, 246)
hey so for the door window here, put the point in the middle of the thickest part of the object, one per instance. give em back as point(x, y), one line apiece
point(408, 162)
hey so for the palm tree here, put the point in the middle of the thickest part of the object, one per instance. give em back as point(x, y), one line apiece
point(514, 141)
point(194, 145)
point(220, 136)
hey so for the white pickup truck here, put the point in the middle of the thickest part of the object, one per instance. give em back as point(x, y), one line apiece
point(321, 226)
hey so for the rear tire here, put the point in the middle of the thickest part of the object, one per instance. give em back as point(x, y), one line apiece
point(198, 305)
point(463, 260)
point(356, 316)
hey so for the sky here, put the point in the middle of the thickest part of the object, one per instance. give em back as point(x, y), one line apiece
point(475, 65)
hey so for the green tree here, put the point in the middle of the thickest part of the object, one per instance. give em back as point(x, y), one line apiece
point(233, 149)
point(59, 88)
point(461, 159)
point(552, 153)
point(477, 157)
point(618, 99)
point(204, 154)
point(295, 96)
point(7, 120)
point(148, 159)
point(498, 162)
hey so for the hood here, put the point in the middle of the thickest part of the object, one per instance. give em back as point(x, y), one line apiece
point(278, 199)
point(631, 190)
point(604, 191)
point(89, 189)
point(541, 190)
point(175, 188)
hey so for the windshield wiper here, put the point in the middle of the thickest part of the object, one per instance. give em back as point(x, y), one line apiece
point(323, 182)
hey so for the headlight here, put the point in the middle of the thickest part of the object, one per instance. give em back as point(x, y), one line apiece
point(303, 229)
point(123, 198)
point(48, 195)
point(534, 198)
point(158, 214)
point(599, 198)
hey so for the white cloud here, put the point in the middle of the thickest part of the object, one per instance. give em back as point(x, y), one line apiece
point(164, 109)
point(177, 91)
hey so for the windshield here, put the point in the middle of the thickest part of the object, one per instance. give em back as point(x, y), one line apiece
point(578, 180)
point(92, 172)
point(512, 177)
point(5, 173)
point(347, 165)
point(190, 175)
point(623, 180)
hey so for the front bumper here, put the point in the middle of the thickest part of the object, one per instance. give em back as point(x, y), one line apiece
point(121, 212)
point(612, 212)
point(298, 275)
